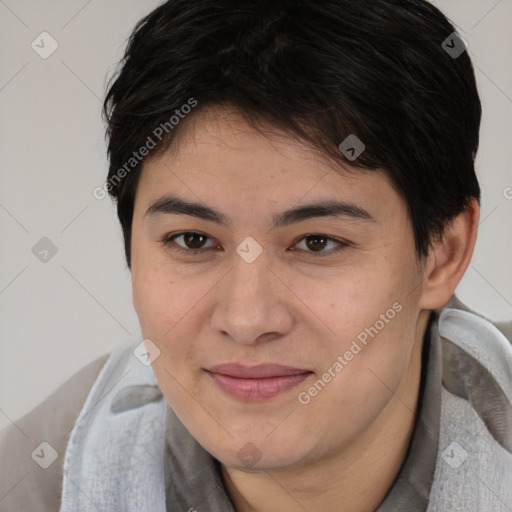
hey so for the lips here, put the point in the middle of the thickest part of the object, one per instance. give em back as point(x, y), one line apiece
point(256, 382)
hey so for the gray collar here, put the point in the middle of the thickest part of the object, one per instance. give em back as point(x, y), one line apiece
point(193, 479)
point(411, 489)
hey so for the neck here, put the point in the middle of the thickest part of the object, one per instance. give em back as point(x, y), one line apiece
point(355, 479)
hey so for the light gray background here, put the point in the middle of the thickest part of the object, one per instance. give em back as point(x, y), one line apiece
point(57, 316)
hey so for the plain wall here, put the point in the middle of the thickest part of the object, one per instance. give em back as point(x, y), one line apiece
point(57, 316)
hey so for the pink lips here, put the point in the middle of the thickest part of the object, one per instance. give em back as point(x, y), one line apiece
point(256, 382)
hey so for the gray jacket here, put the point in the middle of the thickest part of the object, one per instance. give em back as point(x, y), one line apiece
point(24, 485)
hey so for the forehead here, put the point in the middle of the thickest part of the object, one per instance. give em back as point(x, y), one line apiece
point(220, 159)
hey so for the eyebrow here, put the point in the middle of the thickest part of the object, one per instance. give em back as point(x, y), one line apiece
point(322, 208)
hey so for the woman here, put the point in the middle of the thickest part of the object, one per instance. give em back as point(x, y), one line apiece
point(295, 183)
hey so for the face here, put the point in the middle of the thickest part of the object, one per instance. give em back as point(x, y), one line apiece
point(283, 336)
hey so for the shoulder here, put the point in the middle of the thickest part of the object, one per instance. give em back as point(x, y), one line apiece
point(27, 482)
point(473, 343)
point(505, 327)
point(476, 415)
point(475, 441)
point(477, 364)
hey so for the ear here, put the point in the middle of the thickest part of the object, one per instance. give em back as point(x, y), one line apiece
point(449, 258)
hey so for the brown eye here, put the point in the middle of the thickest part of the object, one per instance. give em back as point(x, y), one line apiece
point(316, 243)
point(193, 242)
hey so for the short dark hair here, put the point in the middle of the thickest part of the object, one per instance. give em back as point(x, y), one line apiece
point(320, 71)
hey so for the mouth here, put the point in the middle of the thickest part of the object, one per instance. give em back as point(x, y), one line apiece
point(255, 383)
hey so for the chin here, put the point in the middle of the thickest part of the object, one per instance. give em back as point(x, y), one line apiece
point(254, 461)
point(260, 452)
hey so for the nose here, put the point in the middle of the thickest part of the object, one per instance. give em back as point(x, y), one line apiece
point(253, 304)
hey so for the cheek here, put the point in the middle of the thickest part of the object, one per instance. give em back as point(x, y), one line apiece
point(153, 300)
point(371, 374)
point(171, 314)
point(165, 311)
point(371, 319)
point(350, 302)
point(160, 296)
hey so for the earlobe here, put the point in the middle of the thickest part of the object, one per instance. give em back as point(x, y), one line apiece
point(449, 258)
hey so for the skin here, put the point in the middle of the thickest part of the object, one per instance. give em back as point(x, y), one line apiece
point(292, 306)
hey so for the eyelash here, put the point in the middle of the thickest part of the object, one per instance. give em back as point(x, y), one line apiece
point(194, 252)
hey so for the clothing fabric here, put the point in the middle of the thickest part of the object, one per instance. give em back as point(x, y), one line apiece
point(24, 485)
point(129, 452)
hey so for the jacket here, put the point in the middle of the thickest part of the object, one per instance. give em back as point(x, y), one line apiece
point(472, 410)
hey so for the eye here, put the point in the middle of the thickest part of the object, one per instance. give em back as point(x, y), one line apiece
point(193, 241)
point(315, 243)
